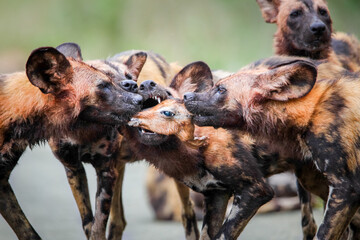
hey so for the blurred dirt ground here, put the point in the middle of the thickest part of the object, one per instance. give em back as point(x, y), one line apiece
point(41, 187)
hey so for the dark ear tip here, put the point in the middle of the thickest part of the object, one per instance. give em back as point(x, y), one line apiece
point(42, 50)
point(309, 64)
point(141, 54)
point(70, 49)
point(199, 65)
point(69, 44)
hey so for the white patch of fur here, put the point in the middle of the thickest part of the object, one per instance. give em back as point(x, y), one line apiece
point(222, 237)
point(234, 210)
point(331, 189)
point(204, 233)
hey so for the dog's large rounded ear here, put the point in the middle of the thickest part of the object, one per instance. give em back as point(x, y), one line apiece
point(48, 69)
point(289, 81)
point(70, 50)
point(269, 9)
point(135, 63)
point(194, 77)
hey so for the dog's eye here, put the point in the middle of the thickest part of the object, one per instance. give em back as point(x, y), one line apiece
point(168, 113)
point(323, 12)
point(128, 76)
point(295, 13)
point(221, 90)
point(103, 85)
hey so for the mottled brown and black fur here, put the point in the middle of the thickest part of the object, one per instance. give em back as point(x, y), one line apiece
point(52, 97)
point(226, 162)
point(304, 28)
point(297, 107)
point(107, 150)
point(161, 73)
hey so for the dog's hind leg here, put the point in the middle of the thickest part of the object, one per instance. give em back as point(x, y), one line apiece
point(341, 206)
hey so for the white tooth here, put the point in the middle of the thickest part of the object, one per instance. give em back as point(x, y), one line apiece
point(142, 130)
point(196, 138)
point(159, 100)
point(202, 138)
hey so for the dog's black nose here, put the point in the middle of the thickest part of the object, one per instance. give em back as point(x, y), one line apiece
point(317, 27)
point(189, 96)
point(147, 85)
point(137, 99)
point(129, 85)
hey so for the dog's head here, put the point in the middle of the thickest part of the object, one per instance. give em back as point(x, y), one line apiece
point(304, 26)
point(244, 96)
point(80, 89)
point(163, 113)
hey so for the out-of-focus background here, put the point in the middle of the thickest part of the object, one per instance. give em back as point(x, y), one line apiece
point(225, 34)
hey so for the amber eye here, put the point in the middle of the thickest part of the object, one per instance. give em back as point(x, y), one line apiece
point(221, 90)
point(295, 13)
point(168, 113)
point(323, 12)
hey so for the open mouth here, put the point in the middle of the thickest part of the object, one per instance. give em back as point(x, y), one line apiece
point(152, 102)
point(150, 138)
point(144, 131)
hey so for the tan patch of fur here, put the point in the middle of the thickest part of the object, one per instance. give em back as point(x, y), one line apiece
point(352, 60)
point(19, 99)
point(155, 188)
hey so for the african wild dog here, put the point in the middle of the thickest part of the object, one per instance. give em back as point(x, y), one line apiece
point(96, 143)
point(162, 72)
point(223, 163)
point(55, 95)
point(305, 29)
point(303, 112)
point(106, 150)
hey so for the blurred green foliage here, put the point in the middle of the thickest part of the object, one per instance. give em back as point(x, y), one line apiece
point(227, 34)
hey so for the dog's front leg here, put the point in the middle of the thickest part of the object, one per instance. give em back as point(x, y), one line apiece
point(117, 220)
point(68, 154)
point(246, 202)
point(215, 208)
point(9, 206)
point(106, 178)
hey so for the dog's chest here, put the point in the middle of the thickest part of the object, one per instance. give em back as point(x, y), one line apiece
point(203, 181)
